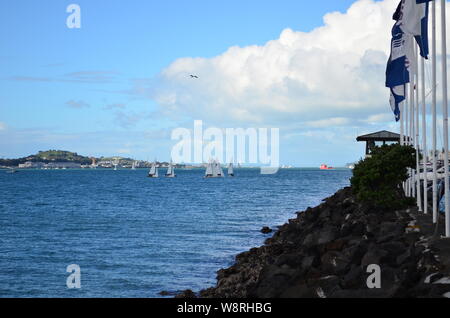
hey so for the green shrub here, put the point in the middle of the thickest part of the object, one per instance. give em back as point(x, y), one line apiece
point(377, 180)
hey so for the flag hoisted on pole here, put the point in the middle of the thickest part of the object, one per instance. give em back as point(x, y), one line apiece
point(398, 66)
point(413, 20)
point(411, 26)
point(397, 97)
point(397, 77)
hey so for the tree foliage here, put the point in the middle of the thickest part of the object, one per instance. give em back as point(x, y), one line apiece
point(377, 180)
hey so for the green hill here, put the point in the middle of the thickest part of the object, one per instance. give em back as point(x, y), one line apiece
point(47, 157)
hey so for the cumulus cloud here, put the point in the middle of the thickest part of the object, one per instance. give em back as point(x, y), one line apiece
point(333, 71)
point(328, 76)
point(322, 123)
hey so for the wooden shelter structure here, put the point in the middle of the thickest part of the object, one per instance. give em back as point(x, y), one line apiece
point(378, 138)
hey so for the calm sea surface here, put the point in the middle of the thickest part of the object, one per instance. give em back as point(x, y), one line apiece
point(134, 236)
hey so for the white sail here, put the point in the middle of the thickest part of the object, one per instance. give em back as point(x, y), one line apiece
point(217, 169)
point(153, 171)
point(133, 166)
point(213, 169)
point(170, 171)
point(230, 169)
point(209, 170)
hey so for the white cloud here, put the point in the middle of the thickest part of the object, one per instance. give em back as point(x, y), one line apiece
point(378, 118)
point(334, 71)
point(329, 122)
point(77, 104)
point(2, 126)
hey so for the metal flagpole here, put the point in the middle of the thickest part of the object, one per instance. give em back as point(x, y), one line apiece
point(424, 136)
point(402, 109)
point(445, 116)
point(411, 122)
point(408, 139)
point(433, 109)
point(416, 122)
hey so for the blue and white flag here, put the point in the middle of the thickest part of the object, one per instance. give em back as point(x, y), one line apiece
point(397, 97)
point(399, 66)
point(413, 20)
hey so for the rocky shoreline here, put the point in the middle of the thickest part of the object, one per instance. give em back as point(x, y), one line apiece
point(325, 252)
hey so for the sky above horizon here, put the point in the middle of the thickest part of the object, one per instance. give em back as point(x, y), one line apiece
point(120, 85)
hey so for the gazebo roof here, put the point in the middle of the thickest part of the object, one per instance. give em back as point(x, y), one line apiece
point(383, 135)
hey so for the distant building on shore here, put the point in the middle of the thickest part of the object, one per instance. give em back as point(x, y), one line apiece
point(51, 165)
point(31, 165)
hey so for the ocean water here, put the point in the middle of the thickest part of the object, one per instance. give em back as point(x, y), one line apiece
point(134, 236)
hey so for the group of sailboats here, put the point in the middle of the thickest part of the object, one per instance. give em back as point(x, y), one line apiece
point(153, 173)
point(214, 170)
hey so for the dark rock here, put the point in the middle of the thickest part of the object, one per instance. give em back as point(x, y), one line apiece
point(334, 262)
point(404, 257)
point(327, 235)
point(299, 291)
point(325, 251)
point(292, 260)
point(436, 277)
point(324, 287)
point(336, 245)
point(273, 281)
point(266, 230)
point(391, 228)
point(355, 252)
point(325, 213)
point(165, 293)
point(358, 228)
point(309, 262)
point(186, 294)
point(373, 256)
point(354, 278)
point(394, 247)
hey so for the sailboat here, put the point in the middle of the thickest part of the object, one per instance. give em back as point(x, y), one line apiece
point(217, 169)
point(213, 170)
point(209, 170)
point(170, 171)
point(230, 170)
point(133, 166)
point(153, 173)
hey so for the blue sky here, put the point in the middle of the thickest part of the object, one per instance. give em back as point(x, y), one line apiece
point(84, 89)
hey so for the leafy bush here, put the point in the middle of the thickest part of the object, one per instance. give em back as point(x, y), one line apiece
point(377, 180)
